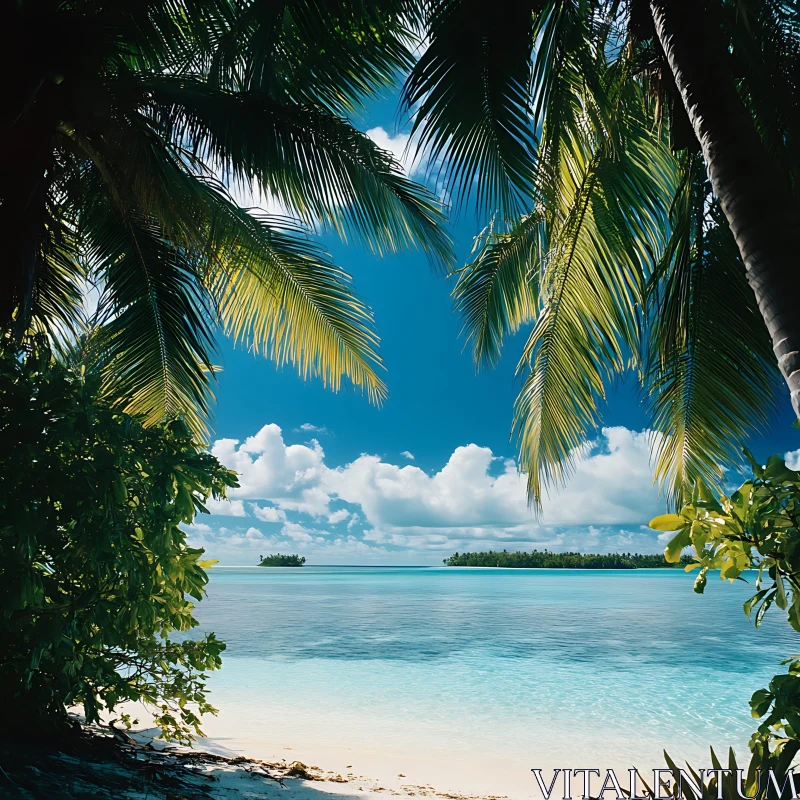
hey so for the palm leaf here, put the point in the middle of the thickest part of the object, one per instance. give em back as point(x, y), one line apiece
point(279, 293)
point(574, 347)
point(273, 289)
point(609, 210)
point(316, 163)
point(156, 325)
point(330, 55)
point(57, 301)
point(712, 380)
point(497, 293)
point(469, 93)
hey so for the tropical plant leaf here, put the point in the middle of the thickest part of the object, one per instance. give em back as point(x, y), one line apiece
point(712, 379)
point(607, 215)
point(279, 293)
point(156, 324)
point(497, 293)
point(314, 162)
point(332, 55)
point(469, 94)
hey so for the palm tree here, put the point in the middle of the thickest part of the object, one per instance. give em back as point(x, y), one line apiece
point(754, 192)
point(566, 122)
point(128, 128)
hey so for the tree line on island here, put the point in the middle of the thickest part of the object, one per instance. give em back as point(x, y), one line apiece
point(278, 560)
point(549, 560)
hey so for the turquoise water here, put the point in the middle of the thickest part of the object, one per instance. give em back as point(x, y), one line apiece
point(531, 664)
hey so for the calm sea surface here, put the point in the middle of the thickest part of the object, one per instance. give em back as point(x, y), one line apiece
point(539, 665)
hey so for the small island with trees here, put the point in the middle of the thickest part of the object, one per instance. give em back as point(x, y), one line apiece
point(278, 560)
point(547, 560)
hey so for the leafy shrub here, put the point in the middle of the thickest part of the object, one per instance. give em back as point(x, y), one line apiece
point(95, 572)
point(756, 528)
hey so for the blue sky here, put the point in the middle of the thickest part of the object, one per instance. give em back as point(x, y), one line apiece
point(333, 478)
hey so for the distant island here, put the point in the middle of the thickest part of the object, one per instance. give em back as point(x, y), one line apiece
point(546, 559)
point(277, 560)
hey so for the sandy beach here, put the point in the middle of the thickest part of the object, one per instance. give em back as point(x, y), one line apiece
point(137, 765)
point(377, 772)
point(339, 769)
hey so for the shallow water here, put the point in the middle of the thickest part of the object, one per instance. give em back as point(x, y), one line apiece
point(536, 665)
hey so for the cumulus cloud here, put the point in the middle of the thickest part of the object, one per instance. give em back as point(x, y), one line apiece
point(297, 532)
point(612, 484)
point(792, 459)
point(307, 427)
point(474, 501)
point(268, 513)
point(397, 145)
point(290, 476)
point(406, 454)
point(226, 508)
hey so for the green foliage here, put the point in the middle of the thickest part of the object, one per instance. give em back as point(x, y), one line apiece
point(277, 560)
point(95, 572)
point(755, 528)
point(548, 560)
point(137, 124)
point(607, 239)
point(757, 782)
point(778, 706)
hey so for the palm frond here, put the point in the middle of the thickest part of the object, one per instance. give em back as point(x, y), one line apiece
point(330, 55)
point(156, 325)
point(605, 232)
point(468, 92)
point(273, 288)
point(57, 301)
point(279, 293)
point(567, 79)
point(316, 163)
point(497, 293)
point(765, 45)
point(712, 379)
point(575, 346)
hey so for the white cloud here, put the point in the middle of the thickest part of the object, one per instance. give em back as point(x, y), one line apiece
point(307, 427)
point(612, 485)
point(198, 529)
point(406, 454)
point(289, 476)
point(792, 459)
point(225, 508)
point(398, 146)
point(268, 513)
point(470, 503)
point(354, 522)
point(297, 532)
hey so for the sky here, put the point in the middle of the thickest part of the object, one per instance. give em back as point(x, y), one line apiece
point(432, 471)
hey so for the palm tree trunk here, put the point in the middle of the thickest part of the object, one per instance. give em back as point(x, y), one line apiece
point(752, 191)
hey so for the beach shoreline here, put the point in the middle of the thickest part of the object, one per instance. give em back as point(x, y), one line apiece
point(135, 764)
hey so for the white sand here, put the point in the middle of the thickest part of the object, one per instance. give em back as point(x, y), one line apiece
point(342, 769)
point(373, 773)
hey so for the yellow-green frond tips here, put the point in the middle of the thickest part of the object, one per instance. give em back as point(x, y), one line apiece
point(280, 294)
point(711, 375)
point(496, 294)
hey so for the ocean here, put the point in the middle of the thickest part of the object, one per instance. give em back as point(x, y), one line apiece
point(534, 667)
